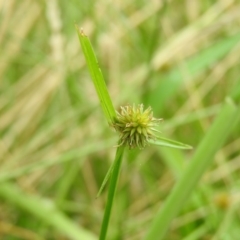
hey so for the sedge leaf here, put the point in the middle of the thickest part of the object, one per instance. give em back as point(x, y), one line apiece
point(160, 141)
point(108, 175)
point(97, 77)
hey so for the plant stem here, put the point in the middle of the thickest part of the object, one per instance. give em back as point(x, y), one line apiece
point(111, 192)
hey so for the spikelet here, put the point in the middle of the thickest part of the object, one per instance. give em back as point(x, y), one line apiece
point(136, 126)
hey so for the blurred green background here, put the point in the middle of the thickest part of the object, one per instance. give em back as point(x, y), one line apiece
point(179, 56)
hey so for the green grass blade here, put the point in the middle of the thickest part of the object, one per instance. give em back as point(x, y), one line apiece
point(199, 233)
point(111, 192)
point(202, 159)
point(160, 141)
point(64, 157)
point(97, 77)
point(172, 81)
point(108, 175)
point(45, 211)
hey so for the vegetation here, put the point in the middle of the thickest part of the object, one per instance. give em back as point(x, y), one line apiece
point(181, 58)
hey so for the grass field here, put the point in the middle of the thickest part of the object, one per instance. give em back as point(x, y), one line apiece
point(182, 58)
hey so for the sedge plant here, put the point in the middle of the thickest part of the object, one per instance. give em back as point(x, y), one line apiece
point(135, 125)
point(137, 129)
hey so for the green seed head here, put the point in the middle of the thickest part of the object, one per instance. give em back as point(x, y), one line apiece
point(136, 126)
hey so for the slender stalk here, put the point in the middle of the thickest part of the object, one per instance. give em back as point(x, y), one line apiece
point(202, 159)
point(111, 192)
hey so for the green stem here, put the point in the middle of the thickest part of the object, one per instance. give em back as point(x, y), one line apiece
point(202, 159)
point(111, 192)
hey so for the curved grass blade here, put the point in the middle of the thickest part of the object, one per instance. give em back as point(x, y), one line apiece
point(108, 175)
point(97, 77)
point(202, 159)
point(44, 211)
point(160, 141)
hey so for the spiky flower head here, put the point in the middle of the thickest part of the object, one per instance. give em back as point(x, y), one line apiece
point(136, 126)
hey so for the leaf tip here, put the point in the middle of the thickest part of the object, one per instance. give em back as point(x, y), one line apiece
point(96, 197)
point(80, 30)
point(189, 147)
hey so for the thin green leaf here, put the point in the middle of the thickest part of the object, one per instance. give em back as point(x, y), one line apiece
point(172, 81)
point(44, 211)
point(202, 159)
point(160, 141)
point(108, 175)
point(48, 162)
point(97, 77)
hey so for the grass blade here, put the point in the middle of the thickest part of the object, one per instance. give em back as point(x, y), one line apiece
point(45, 211)
point(202, 159)
point(111, 191)
point(172, 81)
point(108, 175)
point(97, 77)
point(160, 141)
point(48, 162)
